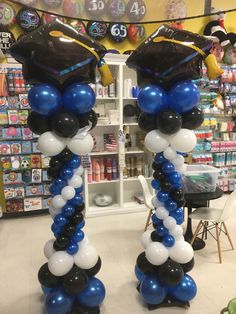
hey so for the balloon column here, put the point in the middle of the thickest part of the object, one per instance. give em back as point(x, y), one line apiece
point(62, 116)
point(166, 64)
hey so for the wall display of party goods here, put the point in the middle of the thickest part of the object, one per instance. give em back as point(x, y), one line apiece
point(168, 101)
point(61, 115)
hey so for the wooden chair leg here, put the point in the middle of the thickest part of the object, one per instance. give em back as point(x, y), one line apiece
point(199, 226)
point(148, 220)
point(218, 242)
point(228, 236)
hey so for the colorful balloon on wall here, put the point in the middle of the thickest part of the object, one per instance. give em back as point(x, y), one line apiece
point(136, 10)
point(7, 14)
point(6, 39)
point(78, 26)
point(28, 19)
point(95, 8)
point(118, 32)
point(49, 18)
point(73, 8)
point(97, 30)
point(55, 4)
point(136, 33)
point(116, 8)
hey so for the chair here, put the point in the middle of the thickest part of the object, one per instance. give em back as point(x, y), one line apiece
point(231, 308)
point(214, 218)
point(147, 195)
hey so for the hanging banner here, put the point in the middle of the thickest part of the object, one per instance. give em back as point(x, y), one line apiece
point(129, 11)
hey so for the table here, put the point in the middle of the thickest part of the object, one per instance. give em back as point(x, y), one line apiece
point(197, 200)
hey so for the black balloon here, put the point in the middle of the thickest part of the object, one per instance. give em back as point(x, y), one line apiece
point(165, 185)
point(80, 208)
point(95, 269)
point(53, 172)
point(155, 166)
point(159, 175)
point(169, 122)
point(65, 155)
point(87, 117)
point(155, 237)
point(80, 309)
point(61, 243)
point(38, 124)
point(46, 278)
point(144, 265)
point(77, 217)
point(180, 203)
point(170, 273)
point(65, 124)
point(193, 119)
point(147, 122)
point(188, 266)
point(55, 162)
point(75, 281)
point(69, 230)
point(177, 194)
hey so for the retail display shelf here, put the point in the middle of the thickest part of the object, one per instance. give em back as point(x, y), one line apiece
point(134, 152)
point(103, 153)
point(103, 182)
point(107, 98)
point(131, 123)
point(24, 213)
point(109, 124)
point(129, 98)
point(134, 179)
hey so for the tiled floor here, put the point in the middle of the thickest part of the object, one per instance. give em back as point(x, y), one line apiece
point(117, 240)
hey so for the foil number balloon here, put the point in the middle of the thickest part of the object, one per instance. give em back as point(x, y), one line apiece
point(136, 10)
point(95, 7)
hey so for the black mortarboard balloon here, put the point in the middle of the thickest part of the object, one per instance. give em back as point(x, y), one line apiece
point(57, 52)
point(170, 55)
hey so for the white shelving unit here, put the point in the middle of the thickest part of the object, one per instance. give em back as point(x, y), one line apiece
point(123, 189)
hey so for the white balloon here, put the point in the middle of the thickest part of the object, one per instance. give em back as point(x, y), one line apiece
point(146, 238)
point(81, 145)
point(156, 253)
point(48, 249)
point(76, 181)
point(162, 213)
point(68, 192)
point(170, 153)
point(169, 222)
point(58, 201)
point(53, 212)
point(79, 171)
point(183, 141)
point(86, 257)
point(155, 202)
point(179, 238)
point(50, 144)
point(60, 263)
point(84, 242)
point(181, 252)
point(156, 142)
point(176, 231)
point(178, 161)
point(181, 169)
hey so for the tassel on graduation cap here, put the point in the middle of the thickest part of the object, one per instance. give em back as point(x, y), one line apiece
point(58, 53)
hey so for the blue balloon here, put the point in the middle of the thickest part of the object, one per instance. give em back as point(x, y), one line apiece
point(66, 173)
point(155, 184)
point(45, 99)
point(79, 190)
point(79, 98)
point(68, 210)
point(45, 290)
point(161, 230)
point(184, 96)
point(168, 167)
point(152, 291)
point(77, 200)
point(60, 220)
point(155, 220)
point(60, 183)
point(93, 295)
point(72, 248)
point(78, 236)
point(168, 240)
point(170, 205)
point(73, 163)
point(54, 189)
point(185, 291)
point(80, 226)
point(177, 213)
point(162, 196)
point(152, 99)
point(58, 302)
point(139, 275)
point(175, 177)
point(159, 158)
point(56, 229)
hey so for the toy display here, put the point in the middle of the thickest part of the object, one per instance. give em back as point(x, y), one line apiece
point(61, 115)
point(169, 99)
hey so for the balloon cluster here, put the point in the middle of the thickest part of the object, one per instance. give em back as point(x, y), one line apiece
point(169, 117)
point(63, 122)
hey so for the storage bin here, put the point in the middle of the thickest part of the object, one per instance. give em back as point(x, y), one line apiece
point(200, 179)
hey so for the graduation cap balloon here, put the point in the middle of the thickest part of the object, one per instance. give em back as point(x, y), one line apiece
point(170, 55)
point(57, 53)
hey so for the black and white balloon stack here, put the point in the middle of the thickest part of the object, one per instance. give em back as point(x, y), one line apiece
point(63, 121)
point(169, 117)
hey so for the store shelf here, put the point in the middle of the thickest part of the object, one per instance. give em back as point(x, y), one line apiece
point(102, 153)
point(24, 213)
point(103, 182)
point(135, 179)
point(109, 124)
point(107, 98)
point(131, 124)
point(134, 204)
point(129, 98)
point(134, 152)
